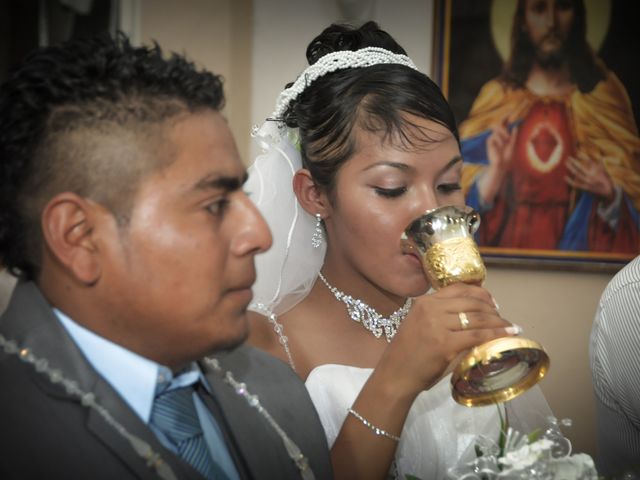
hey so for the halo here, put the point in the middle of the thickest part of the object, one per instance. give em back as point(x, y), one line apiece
point(502, 11)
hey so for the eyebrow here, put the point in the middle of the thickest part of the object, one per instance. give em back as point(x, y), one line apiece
point(221, 183)
point(452, 162)
point(405, 167)
point(398, 165)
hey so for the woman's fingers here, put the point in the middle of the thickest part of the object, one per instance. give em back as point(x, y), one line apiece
point(470, 319)
point(467, 339)
point(463, 290)
point(439, 328)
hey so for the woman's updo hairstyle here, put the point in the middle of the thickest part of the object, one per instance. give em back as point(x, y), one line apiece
point(377, 99)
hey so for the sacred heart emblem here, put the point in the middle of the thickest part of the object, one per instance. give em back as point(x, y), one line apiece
point(544, 147)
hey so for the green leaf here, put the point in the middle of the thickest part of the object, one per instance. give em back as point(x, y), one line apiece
point(534, 435)
point(504, 426)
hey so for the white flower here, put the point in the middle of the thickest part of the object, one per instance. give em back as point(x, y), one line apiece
point(549, 457)
point(526, 455)
point(578, 466)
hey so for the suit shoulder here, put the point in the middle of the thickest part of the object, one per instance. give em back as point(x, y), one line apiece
point(256, 362)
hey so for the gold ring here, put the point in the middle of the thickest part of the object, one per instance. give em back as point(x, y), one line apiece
point(464, 320)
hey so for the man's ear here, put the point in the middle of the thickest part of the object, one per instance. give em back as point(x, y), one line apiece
point(68, 228)
point(312, 198)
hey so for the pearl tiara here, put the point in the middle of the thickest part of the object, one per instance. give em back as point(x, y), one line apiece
point(365, 57)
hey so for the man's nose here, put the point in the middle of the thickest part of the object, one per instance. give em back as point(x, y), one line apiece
point(253, 235)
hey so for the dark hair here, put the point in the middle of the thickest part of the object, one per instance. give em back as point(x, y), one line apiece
point(84, 117)
point(584, 69)
point(379, 98)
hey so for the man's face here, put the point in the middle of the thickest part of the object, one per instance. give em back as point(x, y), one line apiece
point(548, 24)
point(178, 276)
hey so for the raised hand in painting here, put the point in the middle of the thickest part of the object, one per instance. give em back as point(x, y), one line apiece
point(500, 145)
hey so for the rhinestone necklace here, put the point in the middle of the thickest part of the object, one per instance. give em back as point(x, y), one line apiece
point(368, 316)
point(142, 448)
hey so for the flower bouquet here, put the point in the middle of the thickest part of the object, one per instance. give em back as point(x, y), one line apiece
point(516, 456)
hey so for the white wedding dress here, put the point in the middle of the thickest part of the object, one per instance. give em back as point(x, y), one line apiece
point(437, 434)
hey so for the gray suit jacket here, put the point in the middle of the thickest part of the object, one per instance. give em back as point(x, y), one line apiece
point(47, 433)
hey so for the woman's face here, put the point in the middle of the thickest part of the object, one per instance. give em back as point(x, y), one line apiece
point(378, 192)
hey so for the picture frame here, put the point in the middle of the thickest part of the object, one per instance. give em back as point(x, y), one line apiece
point(471, 44)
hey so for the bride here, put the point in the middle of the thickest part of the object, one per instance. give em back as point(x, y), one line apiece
point(359, 146)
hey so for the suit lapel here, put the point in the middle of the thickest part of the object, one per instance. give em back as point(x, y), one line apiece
point(30, 321)
point(258, 444)
point(238, 422)
point(100, 427)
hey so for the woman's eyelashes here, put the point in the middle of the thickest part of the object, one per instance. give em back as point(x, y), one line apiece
point(449, 187)
point(444, 188)
point(390, 192)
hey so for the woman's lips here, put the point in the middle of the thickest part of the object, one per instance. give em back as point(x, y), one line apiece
point(414, 258)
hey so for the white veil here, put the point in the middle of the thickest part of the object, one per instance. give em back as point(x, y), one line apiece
point(289, 269)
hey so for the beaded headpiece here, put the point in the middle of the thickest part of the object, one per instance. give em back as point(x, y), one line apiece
point(364, 57)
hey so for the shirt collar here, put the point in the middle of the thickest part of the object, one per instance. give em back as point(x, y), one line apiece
point(137, 379)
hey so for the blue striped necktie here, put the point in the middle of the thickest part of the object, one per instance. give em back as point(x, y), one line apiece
point(175, 415)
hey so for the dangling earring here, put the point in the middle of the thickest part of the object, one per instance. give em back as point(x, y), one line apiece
point(318, 236)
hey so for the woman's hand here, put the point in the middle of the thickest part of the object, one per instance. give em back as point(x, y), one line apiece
point(433, 336)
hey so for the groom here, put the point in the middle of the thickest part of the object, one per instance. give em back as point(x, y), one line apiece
point(122, 213)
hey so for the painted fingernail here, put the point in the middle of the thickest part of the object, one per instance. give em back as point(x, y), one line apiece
point(514, 330)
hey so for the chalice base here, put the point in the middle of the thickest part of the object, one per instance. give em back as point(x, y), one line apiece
point(498, 371)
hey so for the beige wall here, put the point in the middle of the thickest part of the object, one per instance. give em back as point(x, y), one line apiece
point(216, 34)
point(283, 29)
point(557, 309)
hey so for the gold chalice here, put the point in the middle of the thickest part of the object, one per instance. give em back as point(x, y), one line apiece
point(495, 371)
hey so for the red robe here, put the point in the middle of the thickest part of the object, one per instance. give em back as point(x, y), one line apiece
point(535, 195)
point(535, 202)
